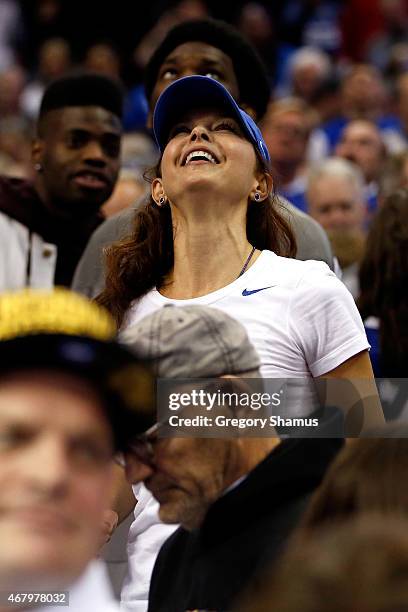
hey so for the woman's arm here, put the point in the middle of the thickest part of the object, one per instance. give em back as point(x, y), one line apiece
point(351, 387)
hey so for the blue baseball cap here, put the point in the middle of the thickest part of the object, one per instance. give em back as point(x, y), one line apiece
point(189, 93)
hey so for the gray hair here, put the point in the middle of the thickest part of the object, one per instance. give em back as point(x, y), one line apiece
point(307, 56)
point(337, 167)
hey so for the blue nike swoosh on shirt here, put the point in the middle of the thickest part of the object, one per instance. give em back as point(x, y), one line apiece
point(251, 291)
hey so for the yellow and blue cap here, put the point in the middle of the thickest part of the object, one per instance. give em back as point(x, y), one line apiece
point(59, 330)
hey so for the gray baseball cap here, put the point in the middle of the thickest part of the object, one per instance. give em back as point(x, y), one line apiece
point(192, 342)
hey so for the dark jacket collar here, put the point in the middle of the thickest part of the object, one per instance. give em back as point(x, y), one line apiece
point(293, 468)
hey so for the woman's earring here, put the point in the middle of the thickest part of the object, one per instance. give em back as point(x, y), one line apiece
point(162, 201)
point(257, 196)
point(38, 167)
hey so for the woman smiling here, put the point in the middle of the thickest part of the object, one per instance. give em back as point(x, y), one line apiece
point(211, 234)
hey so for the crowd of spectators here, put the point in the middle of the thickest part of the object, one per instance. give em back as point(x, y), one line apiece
point(329, 96)
point(319, 73)
point(96, 133)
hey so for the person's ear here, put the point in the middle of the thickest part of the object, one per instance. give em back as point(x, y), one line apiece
point(263, 185)
point(158, 194)
point(37, 153)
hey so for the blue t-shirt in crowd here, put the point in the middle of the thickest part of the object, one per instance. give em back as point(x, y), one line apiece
point(373, 337)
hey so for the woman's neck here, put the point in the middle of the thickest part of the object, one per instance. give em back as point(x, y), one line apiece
point(208, 255)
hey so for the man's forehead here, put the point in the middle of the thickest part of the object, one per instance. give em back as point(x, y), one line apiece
point(362, 129)
point(333, 189)
point(199, 51)
point(83, 117)
point(27, 396)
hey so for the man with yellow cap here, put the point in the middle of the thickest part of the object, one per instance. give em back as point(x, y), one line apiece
point(68, 398)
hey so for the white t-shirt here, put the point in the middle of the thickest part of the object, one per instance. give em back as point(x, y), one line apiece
point(303, 323)
point(146, 536)
point(299, 316)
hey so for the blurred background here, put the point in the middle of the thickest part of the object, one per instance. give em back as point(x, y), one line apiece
point(308, 46)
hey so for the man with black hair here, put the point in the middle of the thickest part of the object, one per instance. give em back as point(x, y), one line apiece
point(213, 48)
point(44, 226)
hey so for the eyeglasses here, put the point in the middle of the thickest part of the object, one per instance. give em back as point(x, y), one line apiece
point(142, 446)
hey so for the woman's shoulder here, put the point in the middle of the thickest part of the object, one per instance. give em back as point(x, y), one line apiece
point(296, 272)
point(310, 283)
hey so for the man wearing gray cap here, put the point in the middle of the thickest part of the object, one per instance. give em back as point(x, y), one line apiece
point(236, 498)
point(188, 342)
point(193, 342)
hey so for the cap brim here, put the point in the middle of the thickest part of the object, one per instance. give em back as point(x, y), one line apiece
point(125, 383)
point(187, 94)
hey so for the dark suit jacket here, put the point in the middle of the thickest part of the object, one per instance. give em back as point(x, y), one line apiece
point(245, 529)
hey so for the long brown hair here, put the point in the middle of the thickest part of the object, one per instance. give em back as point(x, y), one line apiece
point(384, 279)
point(141, 261)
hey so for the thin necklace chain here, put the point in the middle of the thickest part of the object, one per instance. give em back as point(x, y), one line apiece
point(247, 262)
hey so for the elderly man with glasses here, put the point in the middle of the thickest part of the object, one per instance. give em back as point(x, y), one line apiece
point(236, 497)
